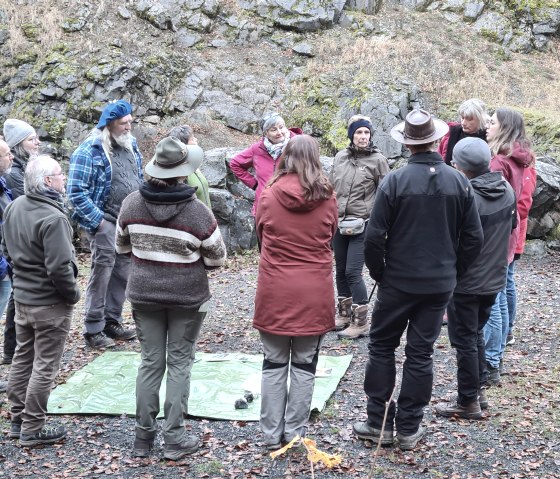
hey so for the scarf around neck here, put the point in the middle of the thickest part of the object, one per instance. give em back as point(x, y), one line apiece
point(275, 150)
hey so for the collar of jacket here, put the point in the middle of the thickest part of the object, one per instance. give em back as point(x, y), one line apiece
point(45, 199)
point(368, 150)
point(19, 163)
point(174, 194)
point(426, 157)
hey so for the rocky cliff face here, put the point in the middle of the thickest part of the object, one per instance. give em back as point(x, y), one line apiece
point(219, 64)
point(518, 25)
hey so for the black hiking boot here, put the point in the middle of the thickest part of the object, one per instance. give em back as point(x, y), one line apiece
point(116, 331)
point(98, 340)
point(47, 435)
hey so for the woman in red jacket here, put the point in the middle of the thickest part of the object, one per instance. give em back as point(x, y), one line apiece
point(513, 157)
point(294, 305)
point(263, 155)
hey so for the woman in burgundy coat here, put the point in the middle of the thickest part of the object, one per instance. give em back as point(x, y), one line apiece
point(294, 305)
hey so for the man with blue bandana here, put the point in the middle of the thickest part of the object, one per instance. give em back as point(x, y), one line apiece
point(104, 170)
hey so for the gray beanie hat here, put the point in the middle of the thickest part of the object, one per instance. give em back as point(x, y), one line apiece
point(15, 131)
point(473, 155)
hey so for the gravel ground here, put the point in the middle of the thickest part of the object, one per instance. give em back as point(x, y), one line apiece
point(517, 438)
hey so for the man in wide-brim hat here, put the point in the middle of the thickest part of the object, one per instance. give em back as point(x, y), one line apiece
point(423, 232)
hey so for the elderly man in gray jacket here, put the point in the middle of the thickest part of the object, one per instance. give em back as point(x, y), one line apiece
point(38, 242)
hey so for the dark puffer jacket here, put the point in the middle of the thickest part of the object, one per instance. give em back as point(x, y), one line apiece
point(495, 202)
point(15, 179)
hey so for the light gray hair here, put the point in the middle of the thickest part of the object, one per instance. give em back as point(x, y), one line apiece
point(475, 108)
point(269, 120)
point(105, 136)
point(35, 172)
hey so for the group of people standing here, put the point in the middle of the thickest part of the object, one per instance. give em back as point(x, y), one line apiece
point(433, 237)
point(436, 236)
point(152, 241)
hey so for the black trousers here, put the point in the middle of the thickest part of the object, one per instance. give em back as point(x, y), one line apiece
point(467, 314)
point(394, 312)
point(349, 259)
point(10, 329)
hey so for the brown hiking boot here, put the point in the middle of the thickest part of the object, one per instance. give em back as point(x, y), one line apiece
point(344, 316)
point(471, 411)
point(359, 326)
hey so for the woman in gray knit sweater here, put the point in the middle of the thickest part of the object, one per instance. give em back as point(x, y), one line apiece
point(173, 239)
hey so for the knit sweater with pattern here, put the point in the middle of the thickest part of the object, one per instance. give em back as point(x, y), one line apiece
point(173, 239)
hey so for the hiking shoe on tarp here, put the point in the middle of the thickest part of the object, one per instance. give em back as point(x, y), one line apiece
point(407, 443)
point(187, 446)
point(47, 435)
point(363, 430)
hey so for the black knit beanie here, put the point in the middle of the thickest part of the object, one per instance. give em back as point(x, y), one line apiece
point(358, 124)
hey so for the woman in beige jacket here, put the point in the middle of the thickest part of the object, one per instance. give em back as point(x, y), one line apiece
point(356, 173)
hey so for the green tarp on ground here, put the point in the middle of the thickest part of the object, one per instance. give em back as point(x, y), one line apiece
point(107, 385)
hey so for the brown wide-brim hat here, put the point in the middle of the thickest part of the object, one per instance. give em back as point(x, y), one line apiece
point(419, 128)
point(174, 159)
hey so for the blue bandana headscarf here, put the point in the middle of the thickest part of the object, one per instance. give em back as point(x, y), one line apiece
point(114, 111)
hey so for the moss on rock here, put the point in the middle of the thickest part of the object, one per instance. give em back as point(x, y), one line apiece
point(544, 130)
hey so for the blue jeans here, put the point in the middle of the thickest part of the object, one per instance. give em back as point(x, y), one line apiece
point(6, 299)
point(496, 329)
point(5, 290)
point(511, 293)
